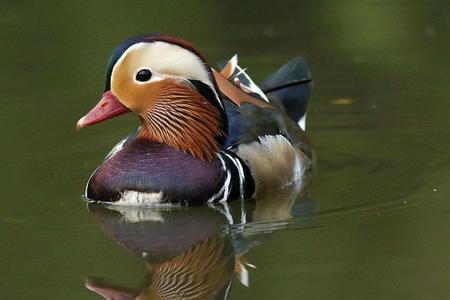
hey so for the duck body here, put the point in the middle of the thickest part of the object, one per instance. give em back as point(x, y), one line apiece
point(147, 172)
point(202, 140)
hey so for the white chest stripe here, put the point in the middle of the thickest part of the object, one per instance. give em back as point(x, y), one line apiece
point(225, 190)
point(240, 169)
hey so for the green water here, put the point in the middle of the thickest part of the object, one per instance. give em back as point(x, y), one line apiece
point(376, 220)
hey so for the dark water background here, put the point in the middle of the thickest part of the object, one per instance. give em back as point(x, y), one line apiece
point(378, 120)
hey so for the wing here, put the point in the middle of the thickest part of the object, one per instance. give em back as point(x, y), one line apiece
point(250, 114)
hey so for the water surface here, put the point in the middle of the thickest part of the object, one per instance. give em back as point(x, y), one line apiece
point(374, 222)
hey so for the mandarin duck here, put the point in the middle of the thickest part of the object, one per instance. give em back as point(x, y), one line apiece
point(205, 136)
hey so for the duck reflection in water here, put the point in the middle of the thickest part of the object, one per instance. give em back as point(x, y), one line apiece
point(194, 252)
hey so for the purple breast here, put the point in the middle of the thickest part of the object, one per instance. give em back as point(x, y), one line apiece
point(147, 166)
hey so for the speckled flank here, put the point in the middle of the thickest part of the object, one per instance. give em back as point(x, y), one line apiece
point(274, 162)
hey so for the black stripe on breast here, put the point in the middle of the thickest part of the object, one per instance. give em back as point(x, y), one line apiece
point(206, 91)
point(242, 185)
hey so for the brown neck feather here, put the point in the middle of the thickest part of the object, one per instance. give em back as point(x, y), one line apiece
point(185, 120)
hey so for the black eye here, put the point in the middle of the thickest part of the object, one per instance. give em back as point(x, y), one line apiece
point(143, 75)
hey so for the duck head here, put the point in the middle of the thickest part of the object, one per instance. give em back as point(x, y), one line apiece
point(171, 87)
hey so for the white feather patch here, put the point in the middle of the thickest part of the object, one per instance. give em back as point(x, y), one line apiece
point(302, 122)
point(135, 198)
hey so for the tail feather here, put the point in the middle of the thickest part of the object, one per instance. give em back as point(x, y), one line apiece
point(291, 86)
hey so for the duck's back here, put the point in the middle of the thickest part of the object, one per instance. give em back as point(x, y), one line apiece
point(269, 137)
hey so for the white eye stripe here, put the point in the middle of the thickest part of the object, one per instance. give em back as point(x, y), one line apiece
point(164, 60)
point(167, 59)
